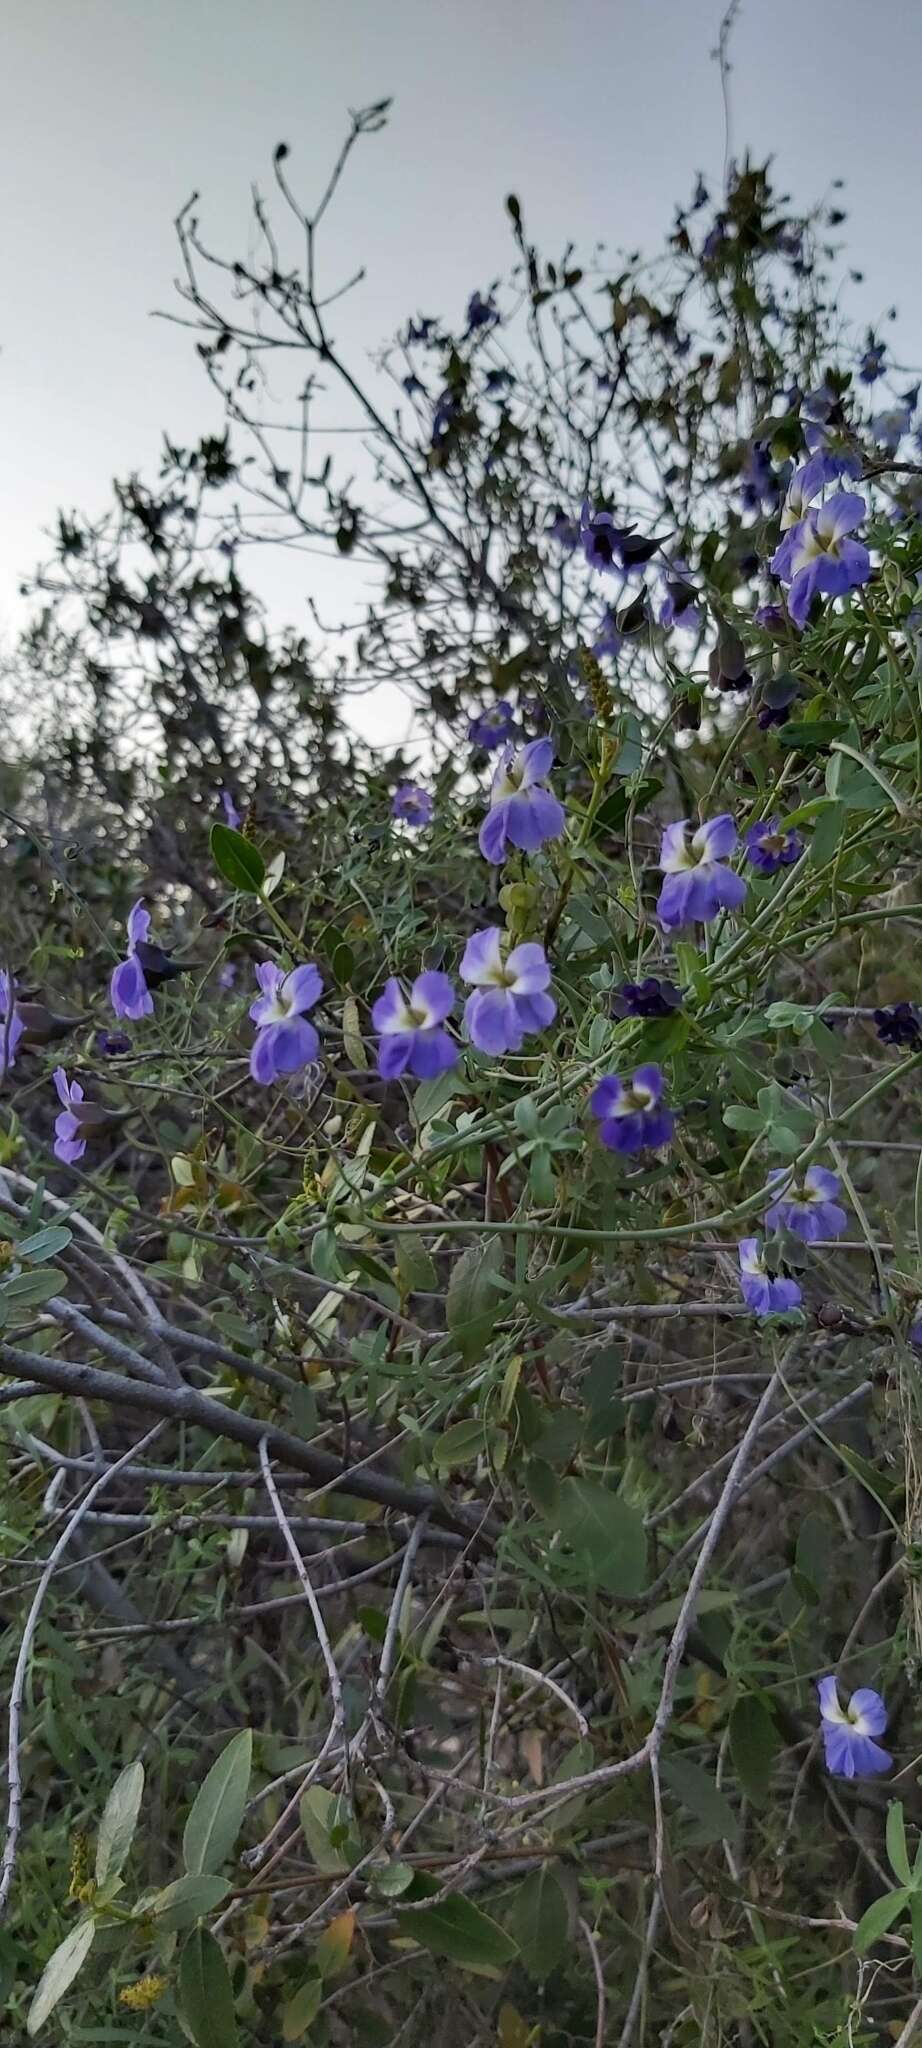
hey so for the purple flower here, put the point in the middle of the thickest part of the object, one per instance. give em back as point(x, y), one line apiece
point(110, 1043)
point(493, 727)
point(69, 1141)
point(481, 312)
point(678, 607)
point(848, 1741)
point(227, 974)
point(410, 1032)
point(872, 361)
point(11, 1027)
point(698, 884)
point(762, 1291)
point(412, 805)
point(510, 997)
point(769, 849)
point(808, 1208)
point(285, 1041)
point(232, 816)
point(444, 413)
point(128, 988)
point(648, 998)
point(760, 484)
point(420, 330)
point(899, 1025)
point(772, 619)
point(609, 640)
point(807, 481)
point(563, 530)
point(602, 540)
point(522, 810)
point(890, 426)
point(631, 1117)
point(816, 555)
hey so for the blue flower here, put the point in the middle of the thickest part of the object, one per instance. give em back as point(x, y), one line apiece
point(128, 988)
point(901, 1024)
point(697, 883)
point(493, 727)
point(69, 1138)
point(678, 607)
point(631, 1116)
point(890, 426)
point(420, 330)
point(510, 998)
point(602, 540)
point(648, 998)
point(285, 1041)
point(232, 816)
point(806, 483)
point(872, 361)
point(817, 556)
point(564, 530)
point(110, 1043)
point(444, 413)
point(848, 1741)
point(412, 805)
point(411, 1033)
point(11, 1027)
point(763, 1292)
point(769, 849)
point(481, 312)
point(522, 809)
point(610, 640)
point(808, 1208)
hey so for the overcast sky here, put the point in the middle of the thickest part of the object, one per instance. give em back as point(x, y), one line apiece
point(597, 114)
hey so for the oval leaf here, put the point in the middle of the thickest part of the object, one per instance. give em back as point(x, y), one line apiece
point(605, 1530)
point(185, 1900)
point(540, 1922)
point(753, 1744)
point(214, 1822)
point(458, 1929)
point(59, 1972)
point(119, 1820)
point(235, 858)
point(205, 1992)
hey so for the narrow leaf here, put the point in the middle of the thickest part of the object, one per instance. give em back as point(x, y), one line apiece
point(119, 1820)
point(59, 1973)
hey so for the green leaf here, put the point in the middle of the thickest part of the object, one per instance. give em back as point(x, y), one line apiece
point(29, 1290)
point(183, 1901)
point(896, 1842)
point(459, 1445)
point(915, 1916)
point(540, 1922)
point(302, 2009)
point(753, 1745)
point(217, 1811)
point(605, 1530)
point(44, 1244)
point(205, 1992)
point(59, 1973)
point(388, 1880)
point(878, 1918)
point(415, 1268)
point(119, 1820)
point(696, 1791)
point(826, 835)
point(322, 1816)
point(235, 858)
point(470, 1304)
point(431, 1096)
point(458, 1929)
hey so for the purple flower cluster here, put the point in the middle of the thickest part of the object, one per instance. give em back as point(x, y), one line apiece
point(11, 1025)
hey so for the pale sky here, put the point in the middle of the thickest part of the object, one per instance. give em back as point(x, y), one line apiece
point(597, 112)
